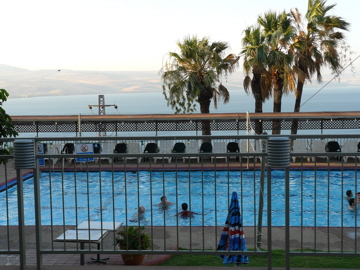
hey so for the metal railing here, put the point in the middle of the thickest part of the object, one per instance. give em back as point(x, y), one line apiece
point(185, 124)
point(301, 209)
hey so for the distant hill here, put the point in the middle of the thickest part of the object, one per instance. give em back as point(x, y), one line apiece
point(21, 82)
point(28, 83)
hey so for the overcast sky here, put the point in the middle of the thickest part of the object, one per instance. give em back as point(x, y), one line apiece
point(130, 35)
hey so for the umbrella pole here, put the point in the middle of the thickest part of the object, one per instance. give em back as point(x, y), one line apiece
point(261, 206)
point(247, 140)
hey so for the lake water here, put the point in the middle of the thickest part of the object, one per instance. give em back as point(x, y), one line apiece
point(331, 99)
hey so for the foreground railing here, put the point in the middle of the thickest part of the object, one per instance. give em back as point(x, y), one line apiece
point(64, 194)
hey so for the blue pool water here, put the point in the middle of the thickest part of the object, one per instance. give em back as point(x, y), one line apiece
point(316, 197)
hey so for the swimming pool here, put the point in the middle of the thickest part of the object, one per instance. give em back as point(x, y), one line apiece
point(316, 197)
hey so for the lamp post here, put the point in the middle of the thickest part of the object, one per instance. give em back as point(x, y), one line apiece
point(24, 158)
point(279, 157)
point(102, 106)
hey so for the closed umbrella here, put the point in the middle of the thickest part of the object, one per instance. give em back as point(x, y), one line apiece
point(232, 237)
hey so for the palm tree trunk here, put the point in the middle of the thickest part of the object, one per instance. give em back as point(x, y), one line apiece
point(298, 96)
point(205, 101)
point(278, 90)
point(258, 103)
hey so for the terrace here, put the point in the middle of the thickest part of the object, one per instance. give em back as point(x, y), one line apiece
point(34, 244)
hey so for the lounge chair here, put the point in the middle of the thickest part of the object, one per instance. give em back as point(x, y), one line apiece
point(219, 148)
point(248, 146)
point(133, 148)
point(179, 147)
point(69, 148)
point(299, 146)
point(120, 148)
point(233, 147)
point(151, 148)
point(192, 147)
point(52, 149)
point(317, 146)
point(107, 147)
point(45, 148)
point(165, 148)
point(97, 150)
point(350, 146)
point(333, 146)
point(206, 147)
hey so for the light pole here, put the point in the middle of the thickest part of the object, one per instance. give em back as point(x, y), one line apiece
point(101, 106)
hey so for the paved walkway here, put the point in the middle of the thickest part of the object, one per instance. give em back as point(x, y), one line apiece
point(127, 267)
point(337, 238)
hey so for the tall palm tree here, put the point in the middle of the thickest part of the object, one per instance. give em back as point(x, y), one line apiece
point(255, 60)
point(194, 75)
point(316, 45)
point(278, 33)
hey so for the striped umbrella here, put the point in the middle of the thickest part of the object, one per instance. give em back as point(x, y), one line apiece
point(232, 237)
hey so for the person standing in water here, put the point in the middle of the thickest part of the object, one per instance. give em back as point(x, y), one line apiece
point(349, 195)
point(164, 201)
point(185, 213)
point(139, 215)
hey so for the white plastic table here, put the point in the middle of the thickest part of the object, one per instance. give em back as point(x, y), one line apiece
point(99, 225)
point(82, 237)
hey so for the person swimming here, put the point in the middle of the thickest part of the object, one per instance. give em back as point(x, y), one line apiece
point(349, 195)
point(185, 213)
point(139, 215)
point(164, 201)
point(351, 204)
point(357, 201)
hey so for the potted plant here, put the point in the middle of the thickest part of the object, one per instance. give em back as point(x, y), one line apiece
point(133, 238)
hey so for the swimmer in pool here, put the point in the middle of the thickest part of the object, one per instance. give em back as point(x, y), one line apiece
point(351, 204)
point(357, 201)
point(185, 213)
point(349, 195)
point(139, 215)
point(164, 201)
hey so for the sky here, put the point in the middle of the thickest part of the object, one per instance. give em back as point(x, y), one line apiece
point(131, 35)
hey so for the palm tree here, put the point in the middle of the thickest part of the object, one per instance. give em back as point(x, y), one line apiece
point(278, 32)
point(192, 75)
point(316, 45)
point(255, 59)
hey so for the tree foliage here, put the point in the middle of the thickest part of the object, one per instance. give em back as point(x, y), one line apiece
point(7, 129)
point(283, 50)
point(193, 75)
point(319, 42)
point(255, 54)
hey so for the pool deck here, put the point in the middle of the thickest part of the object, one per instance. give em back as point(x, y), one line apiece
point(337, 236)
